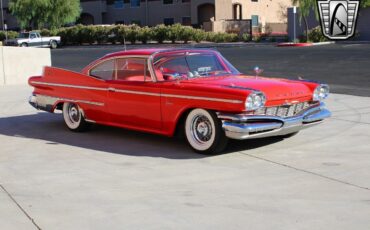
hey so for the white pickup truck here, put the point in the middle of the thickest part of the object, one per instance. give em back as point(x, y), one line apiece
point(34, 39)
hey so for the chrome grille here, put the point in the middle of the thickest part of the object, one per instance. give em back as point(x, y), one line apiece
point(283, 110)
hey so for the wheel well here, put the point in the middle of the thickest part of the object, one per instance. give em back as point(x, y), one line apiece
point(59, 106)
point(181, 122)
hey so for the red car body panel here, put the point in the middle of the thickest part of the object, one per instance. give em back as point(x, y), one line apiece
point(156, 107)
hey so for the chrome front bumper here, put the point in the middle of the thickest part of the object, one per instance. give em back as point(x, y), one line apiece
point(243, 126)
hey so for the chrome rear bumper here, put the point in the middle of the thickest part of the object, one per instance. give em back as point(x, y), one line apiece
point(242, 126)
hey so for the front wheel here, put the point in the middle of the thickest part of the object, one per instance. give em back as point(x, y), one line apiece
point(203, 131)
point(73, 117)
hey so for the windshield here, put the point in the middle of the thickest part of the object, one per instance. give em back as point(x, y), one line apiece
point(191, 65)
point(24, 35)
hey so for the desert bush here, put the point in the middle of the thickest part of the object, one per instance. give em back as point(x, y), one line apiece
point(315, 35)
point(199, 35)
point(246, 37)
point(92, 34)
point(160, 33)
point(145, 34)
point(8, 34)
point(186, 34)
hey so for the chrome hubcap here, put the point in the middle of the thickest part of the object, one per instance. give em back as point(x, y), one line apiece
point(201, 129)
point(74, 114)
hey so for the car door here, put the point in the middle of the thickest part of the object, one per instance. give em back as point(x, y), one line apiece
point(133, 98)
point(35, 40)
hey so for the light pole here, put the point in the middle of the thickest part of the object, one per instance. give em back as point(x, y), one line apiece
point(2, 14)
point(146, 12)
point(294, 14)
point(2, 20)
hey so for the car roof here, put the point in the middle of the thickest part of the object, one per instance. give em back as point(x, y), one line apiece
point(148, 52)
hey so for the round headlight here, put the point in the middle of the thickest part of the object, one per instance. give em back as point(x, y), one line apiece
point(255, 101)
point(321, 92)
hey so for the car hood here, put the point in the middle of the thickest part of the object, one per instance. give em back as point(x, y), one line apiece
point(273, 88)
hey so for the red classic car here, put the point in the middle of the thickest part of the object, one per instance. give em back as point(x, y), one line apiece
point(194, 91)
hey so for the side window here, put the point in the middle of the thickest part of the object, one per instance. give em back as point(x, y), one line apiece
point(132, 69)
point(105, 70)
point(176, 65)
point(32, 36)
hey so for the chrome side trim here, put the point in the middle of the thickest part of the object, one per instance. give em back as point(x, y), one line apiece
point(204, 98)
point(140, 92)
point(136, 92)
point(249, 126)
point(47, 103)
point(69, 86)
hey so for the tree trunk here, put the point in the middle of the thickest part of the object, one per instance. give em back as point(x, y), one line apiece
point(306, 24)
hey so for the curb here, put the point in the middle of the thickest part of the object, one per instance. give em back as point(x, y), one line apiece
point(291, 44)
point(323, 43)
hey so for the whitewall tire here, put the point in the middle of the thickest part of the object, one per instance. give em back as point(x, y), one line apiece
point(203, 131)
point(74, 117)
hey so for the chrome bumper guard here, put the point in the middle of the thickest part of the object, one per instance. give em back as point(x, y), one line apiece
point(243, 126)
point(44, 103)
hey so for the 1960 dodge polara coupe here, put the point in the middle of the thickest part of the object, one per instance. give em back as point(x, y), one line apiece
point(194, 91)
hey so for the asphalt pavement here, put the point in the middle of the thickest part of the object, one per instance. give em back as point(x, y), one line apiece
point(345, 67)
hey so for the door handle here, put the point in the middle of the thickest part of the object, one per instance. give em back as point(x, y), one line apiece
point(110, 89)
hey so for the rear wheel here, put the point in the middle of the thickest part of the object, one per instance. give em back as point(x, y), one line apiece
point(53, 44)
point(73, 117)
point(24, 45)
point(203, 131)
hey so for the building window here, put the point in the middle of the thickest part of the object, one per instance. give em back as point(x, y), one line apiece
point(186, 21)
point(254, 0)
point(166, 2)
point(136, 22)
point(168, 21)
point(135, 3)
point(118, 4)
point(255, 20)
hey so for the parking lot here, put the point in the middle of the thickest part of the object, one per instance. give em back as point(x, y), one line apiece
point(109, 178)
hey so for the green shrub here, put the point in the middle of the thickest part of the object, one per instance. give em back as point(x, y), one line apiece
point(246, 37)
point(8, 34)
point(315, 35)
point(174, 31)
point(112, 34)
point(132, 33)
point(199, 35)
point(186, 34)
point(91, 34)
point(101, 34)
point(145, 34)
point(160, 33)
point(257, 38)
point(45, 32)
point(209, 36)
point(121, 33)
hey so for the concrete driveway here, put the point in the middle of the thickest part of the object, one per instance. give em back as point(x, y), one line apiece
point(111, 178)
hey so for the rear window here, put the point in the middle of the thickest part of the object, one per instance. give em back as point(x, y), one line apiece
point(104, 70)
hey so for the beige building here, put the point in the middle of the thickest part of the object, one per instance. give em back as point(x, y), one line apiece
point(216, 15)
